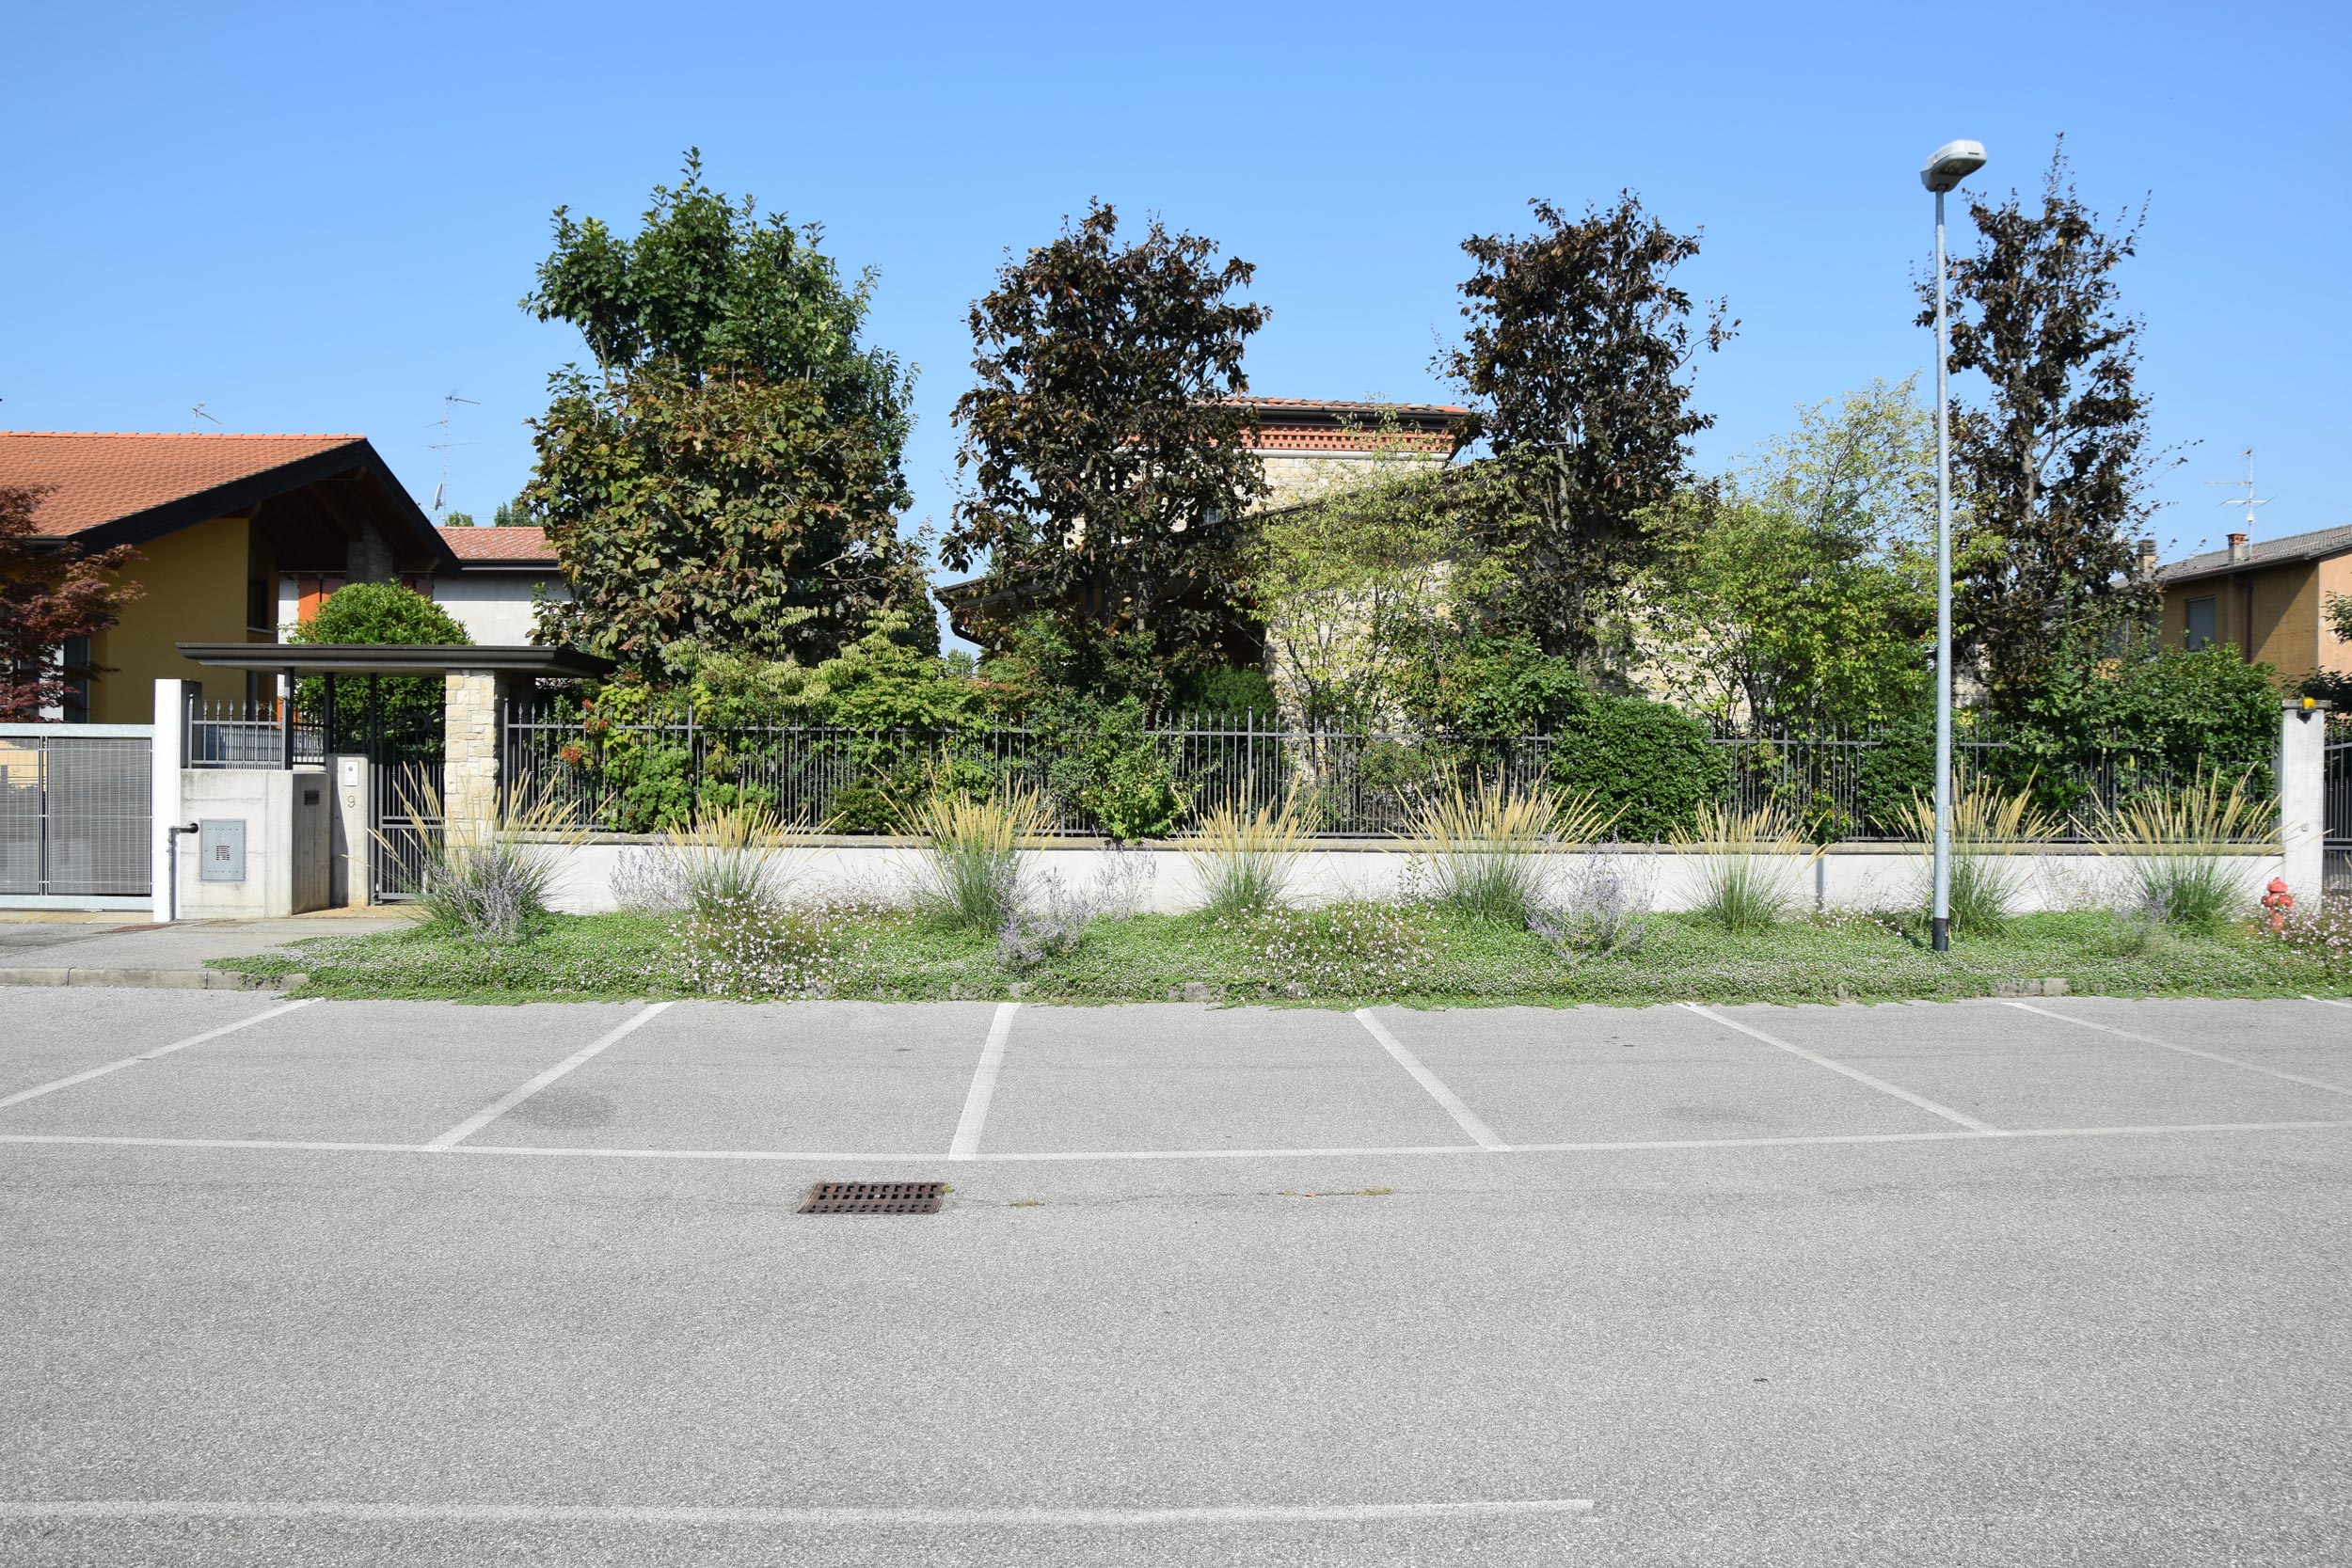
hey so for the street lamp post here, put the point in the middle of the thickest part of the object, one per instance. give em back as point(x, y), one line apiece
point(1947, 166)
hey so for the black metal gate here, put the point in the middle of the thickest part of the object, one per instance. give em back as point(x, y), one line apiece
point(405, 820)
point(2338, 809)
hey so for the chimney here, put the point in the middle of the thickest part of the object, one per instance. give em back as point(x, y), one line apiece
point(2147, 558)
point(2239, 548)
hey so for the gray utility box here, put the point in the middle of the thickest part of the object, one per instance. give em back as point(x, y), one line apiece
point(220, 850)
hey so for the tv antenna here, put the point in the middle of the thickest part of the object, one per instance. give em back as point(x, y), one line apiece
point(198, 413)
point(2248, 501)
point(440, 491)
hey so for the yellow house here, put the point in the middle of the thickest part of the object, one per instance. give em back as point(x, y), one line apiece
point(2269, 600)
point(219, 521)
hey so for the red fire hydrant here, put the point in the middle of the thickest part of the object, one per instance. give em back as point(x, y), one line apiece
point(2278, 900)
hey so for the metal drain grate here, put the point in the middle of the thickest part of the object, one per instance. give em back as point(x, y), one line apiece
point(875, 1197)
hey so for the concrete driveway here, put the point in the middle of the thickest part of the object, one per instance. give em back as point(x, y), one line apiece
point(400, 1282)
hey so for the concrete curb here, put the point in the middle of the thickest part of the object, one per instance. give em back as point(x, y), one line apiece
point(151, 979)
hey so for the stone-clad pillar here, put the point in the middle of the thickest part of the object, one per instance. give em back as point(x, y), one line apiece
point(469, 771)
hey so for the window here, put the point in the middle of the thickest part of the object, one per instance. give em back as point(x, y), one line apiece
point(2200, 623)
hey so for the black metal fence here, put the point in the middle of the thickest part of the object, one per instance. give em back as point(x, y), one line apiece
point(644, 773)
point(266, 734)
point(2336, 799)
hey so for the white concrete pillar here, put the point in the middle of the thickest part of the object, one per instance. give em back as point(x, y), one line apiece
point(167, 755)
point(2303, 796)
point(469, 768)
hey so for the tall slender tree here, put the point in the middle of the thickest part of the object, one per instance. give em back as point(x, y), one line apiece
point(1105, 459)
point(730, 477)
point(1574, 360)
point(2053, 465)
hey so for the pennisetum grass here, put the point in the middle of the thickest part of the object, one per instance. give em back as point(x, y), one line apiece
point(1489, 853)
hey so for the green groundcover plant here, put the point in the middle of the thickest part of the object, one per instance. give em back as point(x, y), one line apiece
point(1347, 955)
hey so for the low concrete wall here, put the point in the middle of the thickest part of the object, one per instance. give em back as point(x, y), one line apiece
point(1847, 877)
point(288, 842)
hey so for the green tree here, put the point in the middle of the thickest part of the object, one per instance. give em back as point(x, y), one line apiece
point(708, 288)
point(379, 612)
point(514, 514)
point(724, 515)
point(1105, 461)
point(458, 519)
point(1796, 593)
point(730, 477)
point(1574, 361)
point(2053, 464)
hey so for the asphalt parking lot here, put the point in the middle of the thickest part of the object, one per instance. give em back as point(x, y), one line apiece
point(391, 1282)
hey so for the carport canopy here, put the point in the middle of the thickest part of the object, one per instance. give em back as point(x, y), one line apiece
point(372, 659)
point(394, 658)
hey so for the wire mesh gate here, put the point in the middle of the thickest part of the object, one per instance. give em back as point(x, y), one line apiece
point(76, 814)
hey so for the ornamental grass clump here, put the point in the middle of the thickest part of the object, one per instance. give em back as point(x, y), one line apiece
point(729, 877)
point(490, 881)
point(1993, 832)
point(1492, 854)
point(968, 873)
point(2180, 850)
point(740, 857)
point(1749, 866)
point(1244, 860)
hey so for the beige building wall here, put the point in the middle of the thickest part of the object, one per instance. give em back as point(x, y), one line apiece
point(2335, 578)
point(194, 579)
point(2272, 614)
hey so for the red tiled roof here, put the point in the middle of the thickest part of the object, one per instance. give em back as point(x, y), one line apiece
point(1316, 424)
point(502, 546)
point(99, 477)
point(1320, 406)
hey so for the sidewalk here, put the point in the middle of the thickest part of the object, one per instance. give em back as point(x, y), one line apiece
point(44, 949)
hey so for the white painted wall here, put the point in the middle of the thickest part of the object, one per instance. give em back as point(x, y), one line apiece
point(495, 608)
point(1861, 878)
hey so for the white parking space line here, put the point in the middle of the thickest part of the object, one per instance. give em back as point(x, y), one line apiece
point(1962, 1117)
point(560, 1513)
point(39, 1089)
point(2184, 1050)
point(2327, 1001)
point(1463, 1115)
point(967, 1145)
point(1632, 1146)
point(513, 1098)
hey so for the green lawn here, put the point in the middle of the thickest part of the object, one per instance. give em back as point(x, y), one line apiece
point(1346, 956)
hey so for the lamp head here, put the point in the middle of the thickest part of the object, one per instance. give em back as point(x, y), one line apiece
point(1951, 163)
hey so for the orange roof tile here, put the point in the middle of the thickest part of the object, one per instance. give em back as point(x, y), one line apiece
point(500, 547)
point(96, 478)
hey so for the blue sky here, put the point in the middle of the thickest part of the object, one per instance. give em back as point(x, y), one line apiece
point(320, 219)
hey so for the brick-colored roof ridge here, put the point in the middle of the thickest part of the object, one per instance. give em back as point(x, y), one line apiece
point(487, 544)
point(1336, 404)
point(197, 434)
